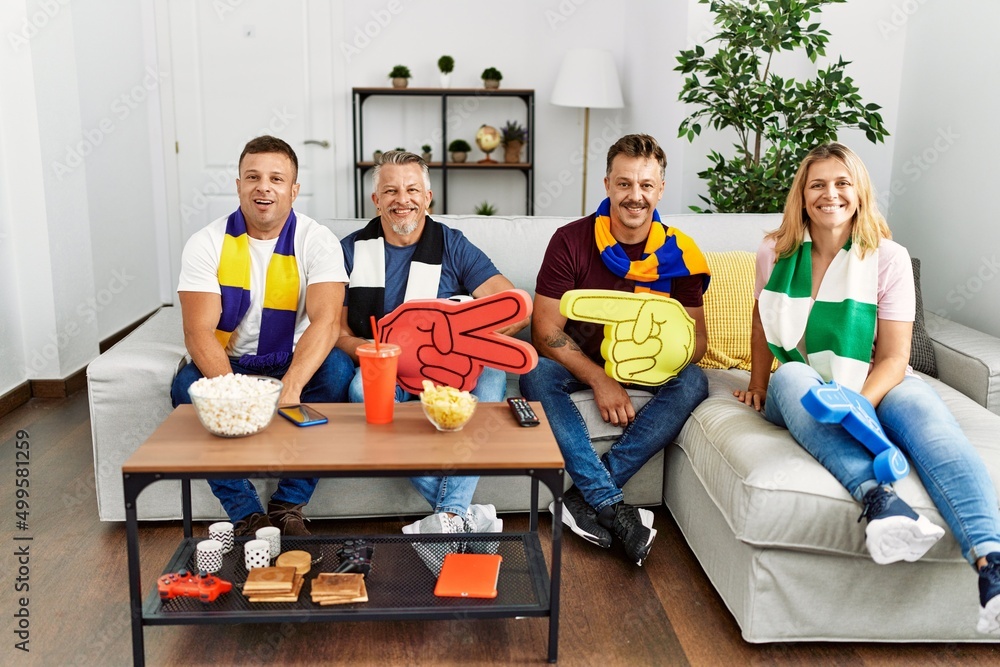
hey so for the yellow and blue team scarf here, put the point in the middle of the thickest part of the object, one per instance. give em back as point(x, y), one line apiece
point(281, 292)
point(668, 254)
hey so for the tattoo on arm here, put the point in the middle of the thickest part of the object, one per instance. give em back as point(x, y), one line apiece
point(562, 340)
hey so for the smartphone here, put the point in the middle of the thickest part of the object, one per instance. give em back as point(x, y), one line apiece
point(302, 415)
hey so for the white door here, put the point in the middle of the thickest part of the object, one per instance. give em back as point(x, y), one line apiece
point(239, 69)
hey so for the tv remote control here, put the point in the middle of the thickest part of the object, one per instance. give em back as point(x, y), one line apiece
point(522, 412)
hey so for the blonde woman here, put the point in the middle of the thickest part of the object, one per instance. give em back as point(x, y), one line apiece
point(836, 301)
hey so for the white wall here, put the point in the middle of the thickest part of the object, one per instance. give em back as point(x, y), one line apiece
point(944, 174)
point(77, 187)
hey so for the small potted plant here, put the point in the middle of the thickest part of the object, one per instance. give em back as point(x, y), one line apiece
point(512, 136)
point(426, 154)
point(491, 77)
point(447, 65)
point(377, 155)
point(400, 76)
point(485, 208)
point(459, 149)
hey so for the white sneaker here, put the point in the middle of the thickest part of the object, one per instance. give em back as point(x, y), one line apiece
point(894, 531)
point(436, 524)
point(483, 519)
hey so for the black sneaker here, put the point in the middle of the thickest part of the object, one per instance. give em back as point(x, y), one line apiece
point(582, 518)
point(989, 595)
point(633, 526)
point(895, 532)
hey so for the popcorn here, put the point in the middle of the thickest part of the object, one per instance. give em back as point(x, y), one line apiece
point(447, 408)
point(234, 405)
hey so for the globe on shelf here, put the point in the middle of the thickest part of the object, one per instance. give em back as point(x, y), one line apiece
point(487, 138)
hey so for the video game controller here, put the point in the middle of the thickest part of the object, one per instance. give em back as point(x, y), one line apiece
point(355, 556)
point(206, 587)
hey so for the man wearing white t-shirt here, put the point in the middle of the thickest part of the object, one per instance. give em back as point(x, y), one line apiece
point(261, 292)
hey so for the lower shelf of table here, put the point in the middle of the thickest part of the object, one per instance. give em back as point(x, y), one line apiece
point(400, 584)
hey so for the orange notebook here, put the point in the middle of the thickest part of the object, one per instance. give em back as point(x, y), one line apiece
point(469, 576)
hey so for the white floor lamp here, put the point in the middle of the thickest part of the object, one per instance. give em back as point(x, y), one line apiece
point(588, 78)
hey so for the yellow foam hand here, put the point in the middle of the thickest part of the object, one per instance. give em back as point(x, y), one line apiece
point(648, 338)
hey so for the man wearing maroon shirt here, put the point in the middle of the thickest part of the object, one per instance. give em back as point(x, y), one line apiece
point(604, 251)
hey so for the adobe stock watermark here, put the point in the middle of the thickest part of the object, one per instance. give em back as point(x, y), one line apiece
point(32, 25)
point(225, 7)
point(898, 17)
point(87, 312)
point(963, 293)
point(562, 13)
point(918, 164)
point(223, 181)
point(121, 108)
point(597, 148)
point(363, 35)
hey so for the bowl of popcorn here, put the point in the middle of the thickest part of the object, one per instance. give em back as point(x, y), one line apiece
point(446, 407)
point(233, 406)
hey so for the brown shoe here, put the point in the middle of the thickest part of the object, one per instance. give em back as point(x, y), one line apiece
point(288, 518)
point(249, 525)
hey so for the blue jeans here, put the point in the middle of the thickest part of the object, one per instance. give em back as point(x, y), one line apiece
point(600, 478)
point(445, 494)
point(918, 422)
point(328, 385)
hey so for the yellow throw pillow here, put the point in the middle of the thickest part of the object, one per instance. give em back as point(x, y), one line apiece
point(729, 309)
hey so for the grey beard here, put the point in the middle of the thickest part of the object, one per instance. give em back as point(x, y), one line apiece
point(405, 229)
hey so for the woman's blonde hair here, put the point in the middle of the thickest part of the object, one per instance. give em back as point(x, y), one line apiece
point(869, 227)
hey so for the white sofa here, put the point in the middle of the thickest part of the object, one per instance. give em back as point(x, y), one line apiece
point(775, 533)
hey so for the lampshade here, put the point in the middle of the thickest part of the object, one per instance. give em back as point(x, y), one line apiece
point(588, 78)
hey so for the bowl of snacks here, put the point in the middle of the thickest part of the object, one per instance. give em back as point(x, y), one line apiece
point(233, 405)
point(446, 407)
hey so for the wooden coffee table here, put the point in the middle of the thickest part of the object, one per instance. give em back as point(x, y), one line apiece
point(491, 444)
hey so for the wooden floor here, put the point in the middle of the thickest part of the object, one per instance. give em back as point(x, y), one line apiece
point(613, 613)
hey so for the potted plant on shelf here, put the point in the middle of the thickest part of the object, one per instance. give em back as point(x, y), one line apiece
point(776, 120)
point(491, 77)
point(400, 76)
point(377, 155)
point(512, 136)
point(459, 149)
point(486, 208)
point(425, 155)
point(446, 64)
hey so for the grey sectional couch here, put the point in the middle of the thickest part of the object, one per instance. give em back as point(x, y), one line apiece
point(775, 533)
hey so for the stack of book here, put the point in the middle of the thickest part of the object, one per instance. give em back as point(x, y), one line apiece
point(339, 588)
point(273, 584)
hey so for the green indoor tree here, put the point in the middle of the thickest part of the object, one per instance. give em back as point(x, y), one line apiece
point(777, 120)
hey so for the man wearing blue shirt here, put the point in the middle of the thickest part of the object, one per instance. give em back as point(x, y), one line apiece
point(403, 255)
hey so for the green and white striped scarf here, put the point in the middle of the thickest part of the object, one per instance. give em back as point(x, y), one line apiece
point(838, 328)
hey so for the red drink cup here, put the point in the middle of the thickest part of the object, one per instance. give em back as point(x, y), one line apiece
point(378, 378)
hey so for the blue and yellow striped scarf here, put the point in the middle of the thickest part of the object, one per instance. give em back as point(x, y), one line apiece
point(668, 254)
point(281, 292)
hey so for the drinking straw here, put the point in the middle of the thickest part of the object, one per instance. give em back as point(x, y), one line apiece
point(375, 333)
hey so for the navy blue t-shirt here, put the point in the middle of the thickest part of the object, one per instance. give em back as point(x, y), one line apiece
point(464, 267)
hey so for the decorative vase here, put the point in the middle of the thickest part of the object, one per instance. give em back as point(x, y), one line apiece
point(376, 155)
point(512, 151)
point(490, 84)
point(426, 157)
point(446, 80)
point(400, 82)
point(459, 156)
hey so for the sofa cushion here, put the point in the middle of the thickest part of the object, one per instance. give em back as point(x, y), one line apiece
point(773, 493)
point(729, 309)
point(921, 350)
